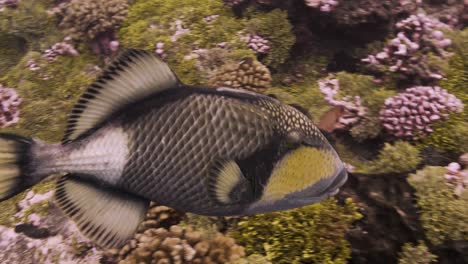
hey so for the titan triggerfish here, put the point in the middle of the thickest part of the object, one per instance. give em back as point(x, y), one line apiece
point(138, 134)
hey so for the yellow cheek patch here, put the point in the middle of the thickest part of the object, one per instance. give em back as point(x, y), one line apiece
point(298, 170)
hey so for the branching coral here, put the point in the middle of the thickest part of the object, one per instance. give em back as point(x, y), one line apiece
point(444, 216)
point(249, 74)
point(409, 115)
point(397, 158)
point(354, 111)
point(179, 245)
point(9, 106)
point(417, 52)
point(60, 48)
point(95, 21)
point(312, 234)
point(412, 254)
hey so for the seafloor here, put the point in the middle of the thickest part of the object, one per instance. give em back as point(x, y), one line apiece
point(387, 81)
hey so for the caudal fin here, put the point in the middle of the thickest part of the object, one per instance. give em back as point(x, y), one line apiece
point(15, 165)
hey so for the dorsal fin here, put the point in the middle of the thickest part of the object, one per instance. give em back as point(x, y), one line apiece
point(134, 75)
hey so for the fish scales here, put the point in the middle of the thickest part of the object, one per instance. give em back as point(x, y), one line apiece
point(171, 154)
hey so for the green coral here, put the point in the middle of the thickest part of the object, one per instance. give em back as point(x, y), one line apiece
point(275, 27)
point(444, 216)
point(31, 22)
point(412, 254)
point(48, 93)
point(312, 234)
point(398, 157)
point(452, 135)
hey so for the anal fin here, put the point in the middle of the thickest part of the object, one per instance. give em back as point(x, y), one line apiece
point(106, 216)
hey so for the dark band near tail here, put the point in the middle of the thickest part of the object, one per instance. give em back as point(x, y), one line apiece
point(15, 160)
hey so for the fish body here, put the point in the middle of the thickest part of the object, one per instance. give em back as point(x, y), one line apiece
point(210, 151)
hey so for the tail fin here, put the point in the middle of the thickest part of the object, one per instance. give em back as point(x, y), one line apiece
point(15, 165)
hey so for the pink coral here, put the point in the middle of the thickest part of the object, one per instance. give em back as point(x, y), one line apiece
point(407, 52)
point(457, 177)
point(409, 115)
point(60, 48)
point(354, 111)
point(323, 5)
point(9, 106)
point(257, 43)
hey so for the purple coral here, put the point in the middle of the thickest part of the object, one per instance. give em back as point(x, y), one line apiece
point(409, 115)
point(60, 48)
point(407, 53)
point(323, 5)
point(354, 111)
point(9, 106)
point(232, 3)
point(257, 43)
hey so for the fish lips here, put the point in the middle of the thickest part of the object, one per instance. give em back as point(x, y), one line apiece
point(323, 189)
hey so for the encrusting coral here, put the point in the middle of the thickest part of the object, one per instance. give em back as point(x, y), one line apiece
point(410, 114)
point(179, 245)
point(94, 21)
point(416, 254)
point(249, 75)
point(9, 106)
point(398, 157)
point(443, 215)
point(312, 234)
point(417, 52)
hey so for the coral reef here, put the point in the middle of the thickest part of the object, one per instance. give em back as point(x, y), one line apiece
point(249, 75)
point(457, 176)
point(353, 112)
point(60, 48)
point(409, 115)
point(160, 216)
point(257, 43)
point(9, 106)
point(416, 53)
point(312, 234)
point(412, 254)
point(233, 2)
point(398, 157)
point(179, 245)
point(94, 21)
point(323, 5)
point(443, 215)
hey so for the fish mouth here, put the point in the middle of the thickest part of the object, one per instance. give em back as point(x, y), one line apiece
point(339, 181)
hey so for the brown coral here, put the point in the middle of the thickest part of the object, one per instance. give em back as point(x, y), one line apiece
point(160, 216)
point(179, 245)
point(93, 21)
point(250, 74)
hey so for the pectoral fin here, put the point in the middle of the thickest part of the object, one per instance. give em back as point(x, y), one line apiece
point(227, 184)
point(106, 216)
